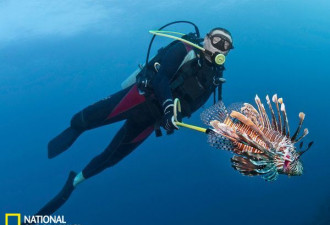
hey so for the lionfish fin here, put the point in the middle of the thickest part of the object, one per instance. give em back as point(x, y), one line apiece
point(304, 135)
point(244, 166)
point(283, 131)
point(308, 147)
point(275, 100)
point(265, 116)
point(301, 117)
point(261, 119)
point(248, 145)
point(262, 111)
point(249, 106)
point(301, 145)
point(286, 120)
point(274, 122)
point(250, 124)
point(271, 175)
point(215, 112)
point(220, 142)
point(249, 111)
point(224, 130)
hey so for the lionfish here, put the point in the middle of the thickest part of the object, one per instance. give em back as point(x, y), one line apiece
point(262, 146)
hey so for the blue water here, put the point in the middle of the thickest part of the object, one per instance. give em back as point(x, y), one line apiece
point(57, 57)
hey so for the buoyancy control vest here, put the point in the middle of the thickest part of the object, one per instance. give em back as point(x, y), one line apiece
point(193, 83)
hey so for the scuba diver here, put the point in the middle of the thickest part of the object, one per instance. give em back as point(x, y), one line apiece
point(189, 68)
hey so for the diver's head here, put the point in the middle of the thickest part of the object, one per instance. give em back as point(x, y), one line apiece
point(218, 40)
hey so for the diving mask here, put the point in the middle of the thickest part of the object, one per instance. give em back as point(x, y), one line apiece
point(220, 42)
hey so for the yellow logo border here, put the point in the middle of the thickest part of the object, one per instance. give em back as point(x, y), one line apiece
point(18, 215)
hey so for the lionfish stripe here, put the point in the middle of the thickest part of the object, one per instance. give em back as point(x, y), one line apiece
point(275, 100)
point(246, 148)
point(265, 115)
point(252, 113)
point(272, 135)
point(286, 120)
point(249, 123)
point(280, 100)
point(259, 109)
point(242, 128)
point(244, 166)
point(263, 112)
point(274, 122)
point(301, 117)
point(223, 129)
point(258, 144)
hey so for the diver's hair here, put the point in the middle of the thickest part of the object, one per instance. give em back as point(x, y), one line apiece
point(221, 29)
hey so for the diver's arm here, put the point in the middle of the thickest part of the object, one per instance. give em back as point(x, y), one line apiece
point(161, 83)
point(169, 65)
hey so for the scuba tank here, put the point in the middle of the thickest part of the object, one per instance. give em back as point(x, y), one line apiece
point(143, 76)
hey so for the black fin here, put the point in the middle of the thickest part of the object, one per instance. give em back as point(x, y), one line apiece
point(62, 142)
point(54, 204)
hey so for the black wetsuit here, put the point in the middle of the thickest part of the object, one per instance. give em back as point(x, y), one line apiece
point(141, 113)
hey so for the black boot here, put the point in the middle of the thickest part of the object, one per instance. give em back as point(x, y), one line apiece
point(62, 142)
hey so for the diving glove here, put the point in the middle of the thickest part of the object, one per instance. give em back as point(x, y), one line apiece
point(168, 122)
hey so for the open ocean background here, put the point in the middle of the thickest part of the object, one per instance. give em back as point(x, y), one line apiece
point(57, 57)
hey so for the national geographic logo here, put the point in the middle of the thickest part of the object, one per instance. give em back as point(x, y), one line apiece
point(17, 215)
point(15, 219)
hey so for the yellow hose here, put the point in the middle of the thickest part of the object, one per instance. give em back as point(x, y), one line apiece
point(200, 129)
point(163, 33)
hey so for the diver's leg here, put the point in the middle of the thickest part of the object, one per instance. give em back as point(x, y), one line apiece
point(126, 140)
point(129, 137)
point(108, 110)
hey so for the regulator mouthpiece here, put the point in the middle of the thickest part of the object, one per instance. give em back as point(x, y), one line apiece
point(219, 59)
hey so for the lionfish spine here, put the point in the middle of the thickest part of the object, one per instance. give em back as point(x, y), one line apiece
point(249, 123)
point(274, 122)
point(305, 133)
point(240, 126)
point(254, 143)
point(249, 111)
point(224, 130)
point(280, 100)
point(309, 146)
point(272, 135)
point(259, 109)
point(286, 120)
point(275, 100)
point(263, 112)
point(251, 136)
point(246, 148)
point(301, 117)
point(265, 115)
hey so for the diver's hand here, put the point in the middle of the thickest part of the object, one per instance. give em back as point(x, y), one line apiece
point(168, 122)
